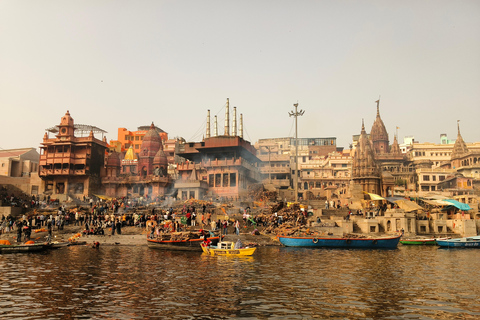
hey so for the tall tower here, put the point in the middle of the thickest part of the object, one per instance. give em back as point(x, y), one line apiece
point(365, 171)
point(378, 134)
point(66, 127)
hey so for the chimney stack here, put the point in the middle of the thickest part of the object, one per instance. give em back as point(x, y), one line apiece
point(208, 124)
point(227, 120)
point(215, 128)
point(234, 123)
point(240, 128)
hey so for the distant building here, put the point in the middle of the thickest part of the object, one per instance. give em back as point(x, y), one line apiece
point(19, 162)
point(220, 166)
point(19, 168)
point(143, 174)
point(127, 138)
point(71, 165)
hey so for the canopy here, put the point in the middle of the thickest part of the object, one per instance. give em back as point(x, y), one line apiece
point(394, 199)
point(374, 196)
point(408, 205)
point(437, 202)
point(103, 197)
point(459, 205)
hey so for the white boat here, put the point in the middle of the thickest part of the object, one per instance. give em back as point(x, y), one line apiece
point(467, 242)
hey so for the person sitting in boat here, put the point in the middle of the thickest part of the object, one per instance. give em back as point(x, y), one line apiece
point(238, 244)
point(206, 241)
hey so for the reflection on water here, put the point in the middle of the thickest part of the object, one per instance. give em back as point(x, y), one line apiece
point(283, 283)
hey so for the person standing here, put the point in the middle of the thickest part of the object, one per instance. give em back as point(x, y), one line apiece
point(19, 231)
point(194, 219)
point(112, 223)
point(237, 227)
point(225, 227)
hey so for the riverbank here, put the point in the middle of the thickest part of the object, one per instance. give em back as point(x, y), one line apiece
point(133, 236)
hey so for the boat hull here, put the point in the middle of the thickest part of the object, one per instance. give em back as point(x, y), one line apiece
point(180, 245)
point(365, 243)
point(426, 242)
point(468, 242)
point(23, 248)
point(228, 252)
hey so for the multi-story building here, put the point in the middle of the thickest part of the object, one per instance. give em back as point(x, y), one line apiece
point(71, 165)
point(219, 166)
point(278, 161)
point(19, 167)
point(19, 162)
point(127, 138)
point(142, 174)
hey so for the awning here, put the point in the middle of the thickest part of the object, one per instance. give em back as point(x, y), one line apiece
point(459, 205)
point(437, 202)
point(394, 199)
point(103, 197)
point(408, 205)
point(374, 196)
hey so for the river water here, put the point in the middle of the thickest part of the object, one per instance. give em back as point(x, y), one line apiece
point(126, 282)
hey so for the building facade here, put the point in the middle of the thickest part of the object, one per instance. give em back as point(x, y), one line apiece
point(71, 165)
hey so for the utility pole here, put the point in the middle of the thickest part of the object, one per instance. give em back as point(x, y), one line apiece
point(296, 114)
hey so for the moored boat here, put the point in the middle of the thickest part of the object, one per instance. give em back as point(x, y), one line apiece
point(227, 248)
point(19, 248)
point(467, 242)
point(343, 242)
point(183, 241)
point(59, 244)
point(429, 241)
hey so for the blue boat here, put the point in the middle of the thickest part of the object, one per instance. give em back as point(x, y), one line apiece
point(345, 242)
point(467, 242)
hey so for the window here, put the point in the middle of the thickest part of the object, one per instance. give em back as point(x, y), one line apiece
point(211, 182)
point(441, 178)
point(136, 138)
point(434, 178)
point(233, 180)
point(137, 146)
point(426, 177)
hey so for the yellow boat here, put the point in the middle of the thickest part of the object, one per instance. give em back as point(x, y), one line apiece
point(227, 248)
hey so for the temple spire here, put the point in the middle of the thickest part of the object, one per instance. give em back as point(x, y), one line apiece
point(378, 107)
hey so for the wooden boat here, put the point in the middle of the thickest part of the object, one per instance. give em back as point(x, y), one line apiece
point(227, 248)
point(344, 242)
point(429, 241)
point(22, 248)
point(78, 243)
point(467, 242)
point(190, 244)
point(59, 244)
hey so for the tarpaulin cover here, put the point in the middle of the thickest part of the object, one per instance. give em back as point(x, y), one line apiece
point(393, 199)
point(374, 196)
point(408, 205)
point(459, 205)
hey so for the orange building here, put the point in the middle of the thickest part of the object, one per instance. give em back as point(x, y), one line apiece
point(71, 165)
point(128, 138)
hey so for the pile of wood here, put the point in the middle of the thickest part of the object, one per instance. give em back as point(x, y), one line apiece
point(179, 236)
point(293, 220)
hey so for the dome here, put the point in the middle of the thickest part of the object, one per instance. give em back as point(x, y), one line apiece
point(152, 142)
point(160, 159)
point(113, 160)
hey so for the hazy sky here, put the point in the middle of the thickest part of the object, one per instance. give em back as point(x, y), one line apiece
point(127, 63)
